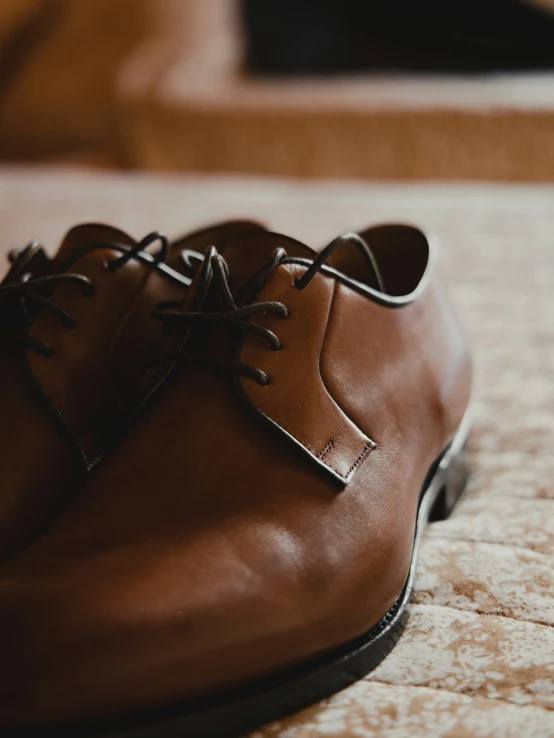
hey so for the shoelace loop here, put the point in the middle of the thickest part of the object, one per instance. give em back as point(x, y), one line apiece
point(21, 290)
point(237, 318)
point(232, 316)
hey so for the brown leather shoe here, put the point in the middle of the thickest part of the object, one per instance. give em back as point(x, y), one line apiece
point(73, 369)
point(250, 548)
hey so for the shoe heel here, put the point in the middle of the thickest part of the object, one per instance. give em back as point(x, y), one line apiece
point(456, 476)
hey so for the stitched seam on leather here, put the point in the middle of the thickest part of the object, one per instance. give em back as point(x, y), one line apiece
point(304, 445)
point(325, 451)
point(295, 438)
point(370, 445)
point(292, 273)
point(322, 458)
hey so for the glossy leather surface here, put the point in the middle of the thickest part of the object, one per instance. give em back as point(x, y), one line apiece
point(215, 548)
point(298, 399)
point(62, 414)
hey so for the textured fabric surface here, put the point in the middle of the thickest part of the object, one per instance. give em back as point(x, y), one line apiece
point(477, 656)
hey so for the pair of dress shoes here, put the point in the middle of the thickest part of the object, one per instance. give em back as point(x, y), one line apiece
point(218, 456)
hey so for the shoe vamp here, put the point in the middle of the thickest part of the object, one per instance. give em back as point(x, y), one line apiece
point(206, 553)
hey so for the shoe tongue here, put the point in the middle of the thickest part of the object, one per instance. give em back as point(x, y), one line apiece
point(86, 235)
point(248, 254)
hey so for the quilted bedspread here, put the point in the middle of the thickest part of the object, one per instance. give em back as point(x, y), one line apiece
point(477, 656)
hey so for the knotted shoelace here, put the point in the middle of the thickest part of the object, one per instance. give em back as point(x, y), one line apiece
point(237, 317)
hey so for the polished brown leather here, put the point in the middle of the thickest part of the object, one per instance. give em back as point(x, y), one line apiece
point(240, 529)
point(63, 413)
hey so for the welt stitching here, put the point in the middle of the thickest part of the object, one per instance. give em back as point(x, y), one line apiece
point(325, 451)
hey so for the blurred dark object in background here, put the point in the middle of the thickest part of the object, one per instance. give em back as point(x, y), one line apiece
point(290, 37)
point(163, 84)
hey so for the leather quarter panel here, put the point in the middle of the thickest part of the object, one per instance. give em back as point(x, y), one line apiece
point(297, 400)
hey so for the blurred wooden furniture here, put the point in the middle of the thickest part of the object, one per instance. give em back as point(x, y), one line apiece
point(61, 100)
point(201, 112)
point(17, 22)
point(14, 14)
point(159, 84)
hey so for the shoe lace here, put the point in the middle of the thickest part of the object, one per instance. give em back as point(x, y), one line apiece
point(237, 317)
point(23, 295)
